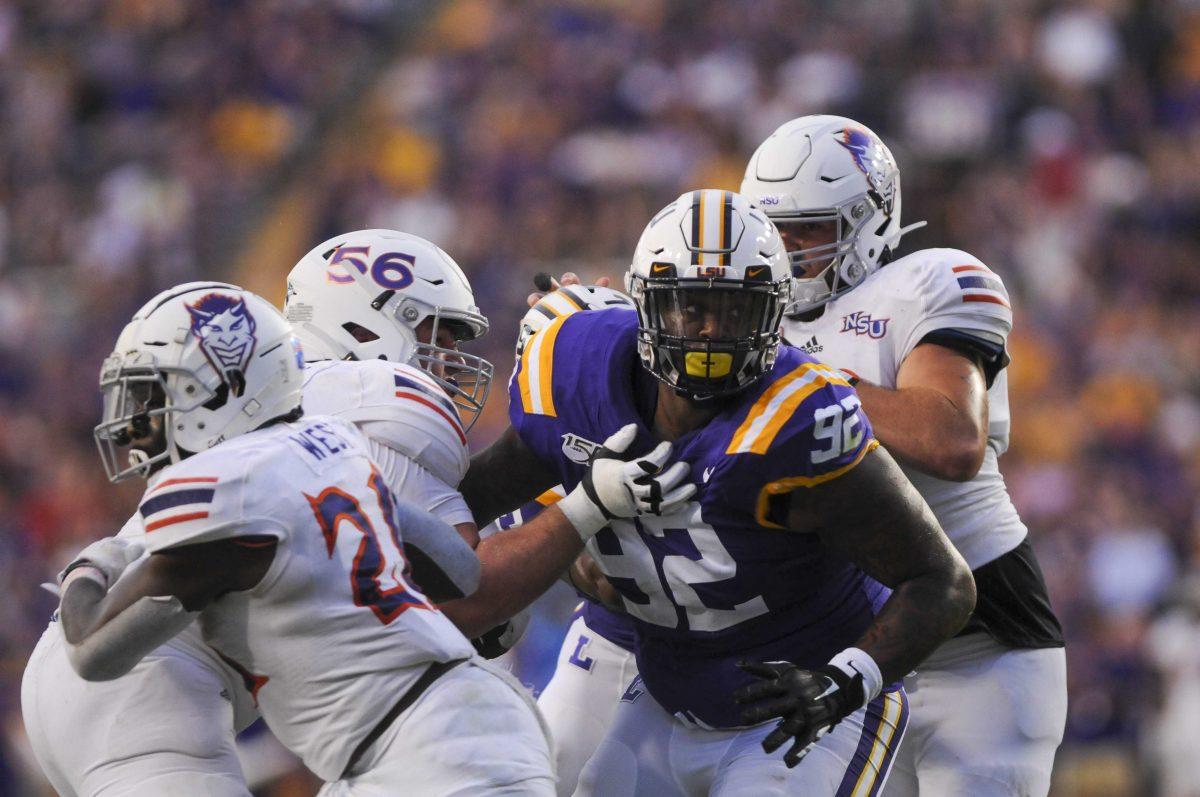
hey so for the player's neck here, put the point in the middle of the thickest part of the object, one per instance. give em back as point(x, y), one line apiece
point(675, 415)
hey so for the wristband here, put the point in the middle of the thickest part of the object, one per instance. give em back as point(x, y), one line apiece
point(585, 517)
point(853, 661)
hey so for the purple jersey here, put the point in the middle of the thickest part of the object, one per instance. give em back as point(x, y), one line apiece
point(616, 628)
point(720, 580)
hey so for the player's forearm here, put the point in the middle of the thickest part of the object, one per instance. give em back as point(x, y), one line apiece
point(923, 429)
point(921, 614)
point(518, 566)
point(109, 632)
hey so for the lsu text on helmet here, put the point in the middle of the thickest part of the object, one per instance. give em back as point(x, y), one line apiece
point(710, 280)
point(818, 170)
point(198, 364)
point(383, 294)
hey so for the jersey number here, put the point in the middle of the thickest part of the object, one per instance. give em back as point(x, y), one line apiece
point(672, 590)
point(377, 575)
point(843, 435)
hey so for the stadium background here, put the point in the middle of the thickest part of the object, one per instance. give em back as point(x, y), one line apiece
point(148, 142)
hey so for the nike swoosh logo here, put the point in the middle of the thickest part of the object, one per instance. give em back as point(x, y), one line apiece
point(829, 691)
point(657, 269)
point(707, 473)
point(433, 282)
point(754, 271)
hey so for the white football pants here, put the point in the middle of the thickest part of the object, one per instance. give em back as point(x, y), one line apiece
point(581, 699)
point(649, 753)
point(165, 728)
point(475, 731)
point(986, 721)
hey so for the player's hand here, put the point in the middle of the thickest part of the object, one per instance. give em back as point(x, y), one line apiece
point(504, 637)
point(616, 487)
point(585, 575)
point(811, 703)
point(547, 284)
point(109, 556)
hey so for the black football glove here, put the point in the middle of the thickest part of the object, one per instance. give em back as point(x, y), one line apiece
point(811, 703)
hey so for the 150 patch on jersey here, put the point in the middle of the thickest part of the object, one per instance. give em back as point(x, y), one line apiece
point(578, 449)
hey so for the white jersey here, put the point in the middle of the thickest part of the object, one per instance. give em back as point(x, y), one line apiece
point(396, 405)
point(873, 328)
point(334, 633)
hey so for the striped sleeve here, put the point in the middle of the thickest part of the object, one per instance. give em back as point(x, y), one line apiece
point(958, 292)
point(806, 429)
point(196, 504)
point(533, 383)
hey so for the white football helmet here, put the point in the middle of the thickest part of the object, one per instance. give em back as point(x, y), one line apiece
point(565, 301)
point(362, 295)
point(710, 280)
point(211, 360)
point(830, 168)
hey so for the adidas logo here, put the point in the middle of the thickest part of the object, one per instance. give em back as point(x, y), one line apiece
point(812, 347)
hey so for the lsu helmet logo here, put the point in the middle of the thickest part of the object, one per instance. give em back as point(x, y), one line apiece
point(873, 160)
point(225, 329)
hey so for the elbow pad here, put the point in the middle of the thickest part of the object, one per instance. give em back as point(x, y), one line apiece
point(117, 646)
point(443, 565)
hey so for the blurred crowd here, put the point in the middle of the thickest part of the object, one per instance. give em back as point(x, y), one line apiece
point(148, 142)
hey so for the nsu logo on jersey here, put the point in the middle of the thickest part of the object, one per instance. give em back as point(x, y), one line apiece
point(861, 323)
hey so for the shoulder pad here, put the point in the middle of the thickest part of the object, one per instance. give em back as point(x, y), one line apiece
point(396, 405)
point(533, 383)
point(568, 352)
point(203, 499)
point(805, 429)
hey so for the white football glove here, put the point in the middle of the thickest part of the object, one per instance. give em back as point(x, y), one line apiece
point(617, 488)
point(110, 556)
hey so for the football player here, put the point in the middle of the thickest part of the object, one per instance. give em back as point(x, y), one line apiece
point(596, 661)
point(418, 441)
point(414, 435)
point(785, 602)
point(282, 535)
point(922, 338)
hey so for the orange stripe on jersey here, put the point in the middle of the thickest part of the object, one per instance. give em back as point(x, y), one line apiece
point(780, 412)
point(170, 521)
point(422, 400)
point(782, 415)
point(550, 497)
point(789, 484)
point(761, 405)
point(960, 269)
point(536, 379)
point(194, 480)
point(979, 297)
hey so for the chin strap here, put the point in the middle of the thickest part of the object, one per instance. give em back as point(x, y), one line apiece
point(916, 225)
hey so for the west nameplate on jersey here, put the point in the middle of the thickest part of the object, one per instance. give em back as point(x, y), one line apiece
point(578, 449)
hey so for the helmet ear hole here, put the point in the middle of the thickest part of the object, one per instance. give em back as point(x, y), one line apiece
point(360, 333)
